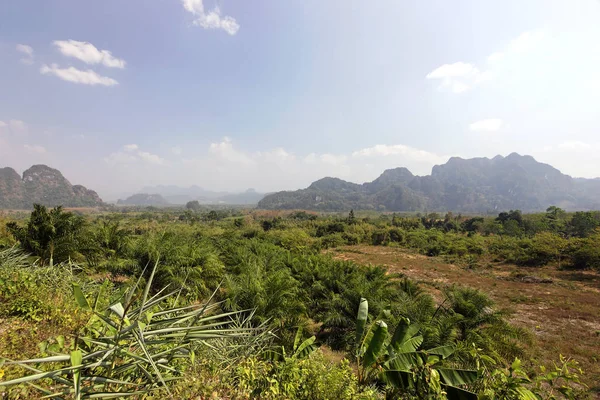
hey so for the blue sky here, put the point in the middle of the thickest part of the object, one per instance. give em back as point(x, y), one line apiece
point(275, 94)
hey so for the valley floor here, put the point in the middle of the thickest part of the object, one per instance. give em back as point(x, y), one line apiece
point(560, 307)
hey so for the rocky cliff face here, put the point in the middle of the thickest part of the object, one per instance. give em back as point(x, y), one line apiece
point(11, 188)
point(44, 185)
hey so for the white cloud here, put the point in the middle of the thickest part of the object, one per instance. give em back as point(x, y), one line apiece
point(14, 125)
point(72, 74)
point(526, 41)
point(496, 56)
point(457, 86)
point(25, 49)
point(211, 19)
point(574, 157)
point(459, 76)
point(226, 151)
point(177, 150)
point(225, 165)
point(333, 159)
point(484, 77)
point(17, 124)
point(278, 169)
point(150, 158)
point(130, 147)
point(88, 53)
point(277, 155)
point(407, 152)
point(456, 70)
point(462, 76)
point(487, 125)
point(131, 154)
point(120, 158)
point(28, 51)
point(36, 149)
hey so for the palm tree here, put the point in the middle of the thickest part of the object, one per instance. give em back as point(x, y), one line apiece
point(51, 235)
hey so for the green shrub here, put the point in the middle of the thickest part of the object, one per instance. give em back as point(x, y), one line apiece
point(586, 254)
point(20, 296)
point(313, 378)
point(294, 239)
point(380, 237)
point(330, 228)
point(332, 241)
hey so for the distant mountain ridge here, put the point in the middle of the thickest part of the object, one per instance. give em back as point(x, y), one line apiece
point(44, 185)
point(144, 199)
point(463, 185)
point(175, 195)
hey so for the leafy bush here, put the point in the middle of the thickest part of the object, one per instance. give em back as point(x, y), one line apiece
point(294, 239)
point(587, 253)
point(332, 241)
point(33, 292)
point(380, 237)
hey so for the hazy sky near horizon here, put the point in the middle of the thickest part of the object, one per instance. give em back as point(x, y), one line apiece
point(272, 94)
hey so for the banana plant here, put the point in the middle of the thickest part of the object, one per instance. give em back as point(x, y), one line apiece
point(134, 346)
point(300, 350)
point(400, 362)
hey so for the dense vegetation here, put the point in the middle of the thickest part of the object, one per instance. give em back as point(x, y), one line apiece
point(478, 185)
point(233, 304)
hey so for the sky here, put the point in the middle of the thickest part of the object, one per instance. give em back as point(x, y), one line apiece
point(272, 95)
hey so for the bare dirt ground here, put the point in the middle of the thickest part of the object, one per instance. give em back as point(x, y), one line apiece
point(561, 308)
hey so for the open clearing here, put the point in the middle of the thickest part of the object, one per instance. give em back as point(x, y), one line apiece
point(560, 307)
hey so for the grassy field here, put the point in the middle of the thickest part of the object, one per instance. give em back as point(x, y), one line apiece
point(557, 306)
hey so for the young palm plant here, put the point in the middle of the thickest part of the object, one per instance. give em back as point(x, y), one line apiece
point(401, 363)
point(300, 350)
point(52, 235)
point(474, 315)
point(132, 347)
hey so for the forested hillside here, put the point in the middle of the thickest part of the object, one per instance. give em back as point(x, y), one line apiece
point(477, 185)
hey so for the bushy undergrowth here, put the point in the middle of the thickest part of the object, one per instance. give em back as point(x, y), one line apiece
point(311, 378)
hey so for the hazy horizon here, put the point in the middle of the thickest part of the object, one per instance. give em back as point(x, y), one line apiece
point(230, 95)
